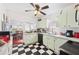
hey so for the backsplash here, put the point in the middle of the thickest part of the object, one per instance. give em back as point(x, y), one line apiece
point(75, 29)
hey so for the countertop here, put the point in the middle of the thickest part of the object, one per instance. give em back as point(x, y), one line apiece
point(59, 36)
point(63, 37)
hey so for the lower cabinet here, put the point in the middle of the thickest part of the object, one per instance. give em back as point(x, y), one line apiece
point(58, 43)
point(48, 41)
point(53, 43)
point(30, 38)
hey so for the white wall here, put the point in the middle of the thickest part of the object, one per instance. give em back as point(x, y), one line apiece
point(17, 15)
point(1, 15)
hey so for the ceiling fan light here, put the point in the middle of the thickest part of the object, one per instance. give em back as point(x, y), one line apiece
point(36, 12)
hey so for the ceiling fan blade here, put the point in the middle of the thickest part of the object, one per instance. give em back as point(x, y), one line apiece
point(28, 10)
point(45, 7)
point(32, 4)
point(42, 13)
point(37, 6)
point(76, 5)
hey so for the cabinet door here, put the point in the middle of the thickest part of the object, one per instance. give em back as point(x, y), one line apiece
point(62, 18)
point(48, 41)
point(71, 17)
point(27, 39)
point(42, 24)
point(35, 37)
point(45, 40)
point(51, 42)
point(30, 38)
point(59, 42)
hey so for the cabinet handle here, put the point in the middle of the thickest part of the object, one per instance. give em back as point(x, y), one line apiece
point(76, 15)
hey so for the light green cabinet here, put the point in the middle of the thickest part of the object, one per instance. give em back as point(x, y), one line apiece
point(62, 18)
point(71, 17)
point(30, 38)
point(48, 41)
point(53, 42)
point(67, 18)
point(58, 43)
point(42, 23)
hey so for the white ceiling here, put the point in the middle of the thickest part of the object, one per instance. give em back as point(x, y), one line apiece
point(18, 9)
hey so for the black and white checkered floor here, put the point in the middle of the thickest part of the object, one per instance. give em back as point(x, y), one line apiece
point(34, 49)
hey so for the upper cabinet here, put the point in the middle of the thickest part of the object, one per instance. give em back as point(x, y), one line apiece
point(62, 18)
point(42, 23)
point(71, 16)
point(67, 17)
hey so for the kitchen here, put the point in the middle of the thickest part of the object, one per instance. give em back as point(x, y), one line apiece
point(55, 33)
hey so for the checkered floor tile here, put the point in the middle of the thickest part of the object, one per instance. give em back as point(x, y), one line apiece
point(35, 49)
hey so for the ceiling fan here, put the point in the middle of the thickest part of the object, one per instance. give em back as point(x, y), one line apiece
point(37, 9)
